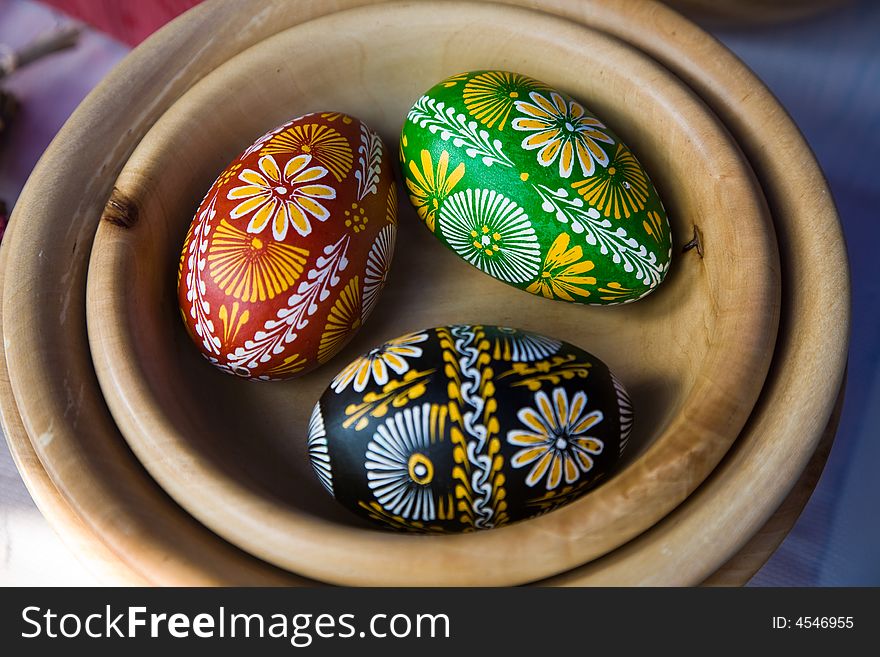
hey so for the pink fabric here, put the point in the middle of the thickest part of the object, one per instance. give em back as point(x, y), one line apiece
point(48, 90)
point(130, 22)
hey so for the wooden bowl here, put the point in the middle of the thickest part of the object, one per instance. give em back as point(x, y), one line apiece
point(108, 489)
point(693, 355)
point(111, 569)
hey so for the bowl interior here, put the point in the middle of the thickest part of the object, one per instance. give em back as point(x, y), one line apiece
point(693, 354)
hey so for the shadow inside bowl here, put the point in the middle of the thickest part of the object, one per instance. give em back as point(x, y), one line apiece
point(255, 432)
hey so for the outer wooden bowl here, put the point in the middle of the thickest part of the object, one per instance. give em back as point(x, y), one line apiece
point(110, 491)
point(694, 354)
point(98, 558)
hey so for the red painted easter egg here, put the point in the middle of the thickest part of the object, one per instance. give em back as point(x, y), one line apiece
point(290, 248)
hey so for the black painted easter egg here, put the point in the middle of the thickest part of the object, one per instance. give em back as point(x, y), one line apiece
point(459, 428)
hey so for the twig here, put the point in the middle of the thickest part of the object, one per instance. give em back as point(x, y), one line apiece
point(59, 39)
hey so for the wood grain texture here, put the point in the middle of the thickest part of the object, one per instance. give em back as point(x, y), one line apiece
point(693, 354)
point(99, 560)
point(821, 314)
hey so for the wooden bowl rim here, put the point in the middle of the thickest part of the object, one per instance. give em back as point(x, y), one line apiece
point(747, 106)
point(636, 497)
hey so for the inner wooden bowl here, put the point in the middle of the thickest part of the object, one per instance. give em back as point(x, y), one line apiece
point(693, 355)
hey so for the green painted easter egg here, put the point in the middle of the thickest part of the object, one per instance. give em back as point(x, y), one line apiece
point(525, 184)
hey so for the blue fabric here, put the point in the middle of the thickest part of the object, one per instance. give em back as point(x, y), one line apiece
point(826, 72)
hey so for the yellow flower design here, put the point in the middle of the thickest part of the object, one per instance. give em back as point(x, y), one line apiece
point(329, 148)
point(428, 188)
point(620, 189)
point(343, 320)
point(250, 269)
point(394, 394)
point(290, 365)
point(332, 116)
point(653, 225)
point(453, 80)
point(282, 198)
point(554, 441)
point(391, 205)
point(356, 218)
point(561, 130)
point(228, 174)
point(562, 276)
point(615, 292)
point(375, 364)
point(404, 142)
point(232, 321)
point(489, 97)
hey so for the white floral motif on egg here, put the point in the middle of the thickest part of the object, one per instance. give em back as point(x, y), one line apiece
point(319, 453)
point(378, 267)
point(493, 233)
point(561, 130)
point(522, 347)
point(376, 363)
point(398, 463)
point(554, 441)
